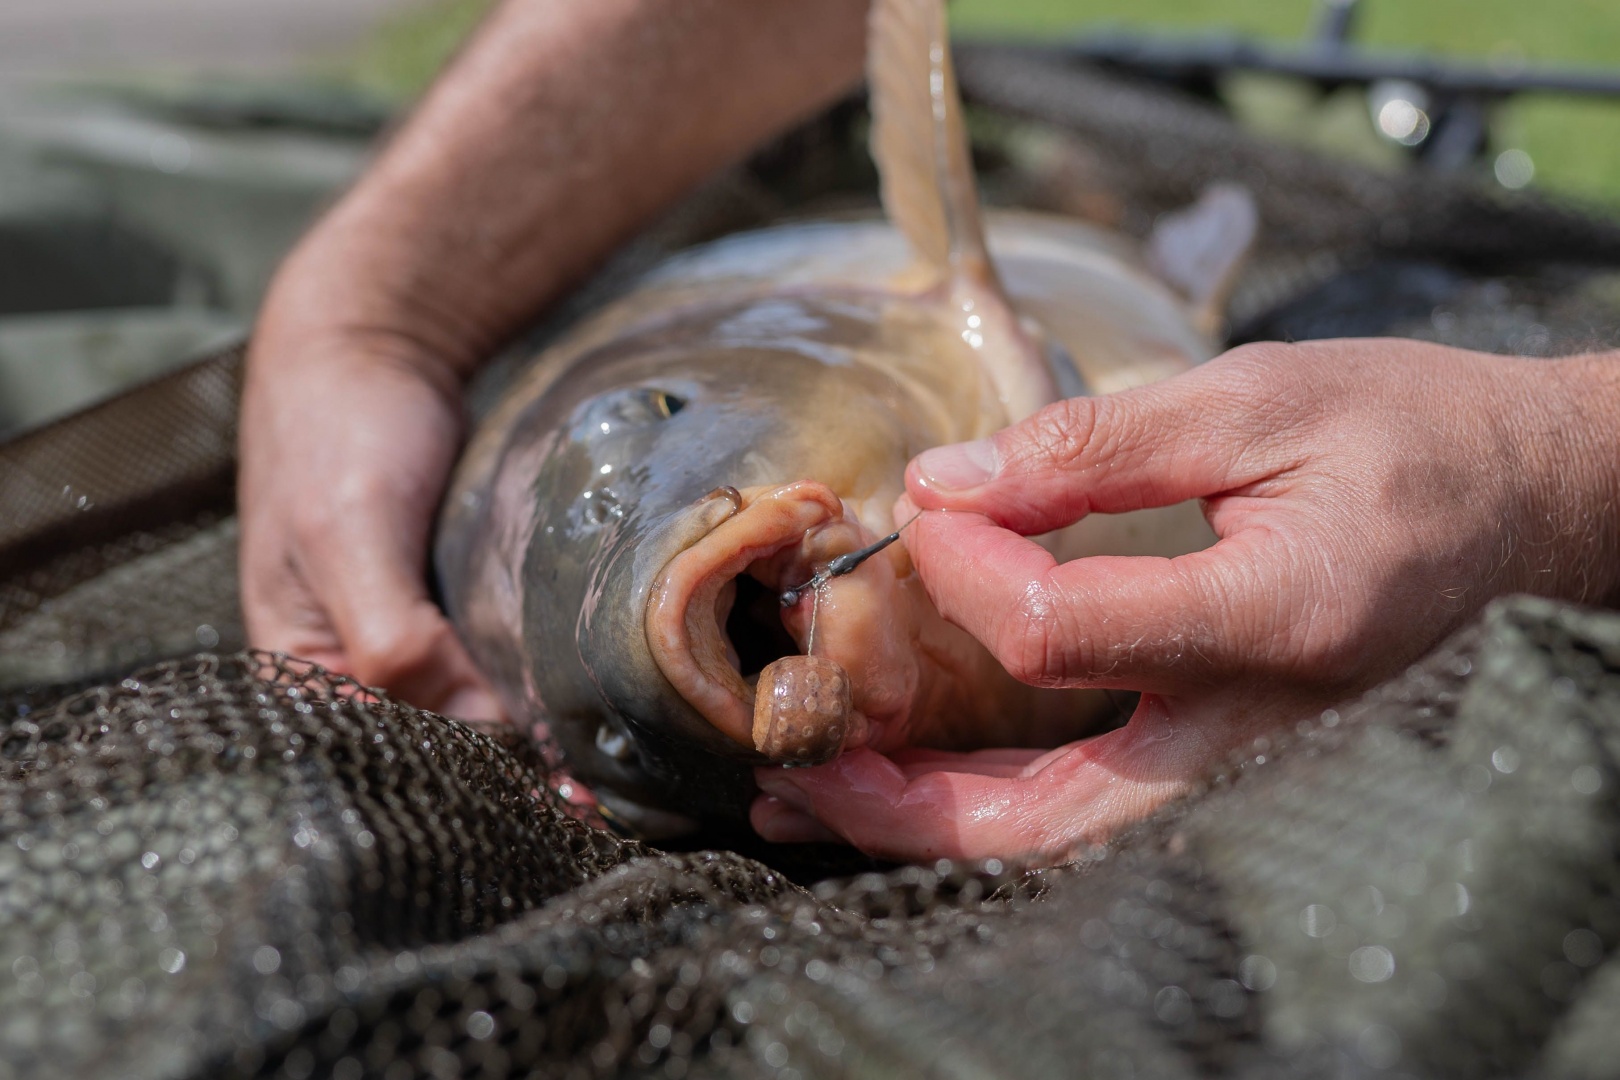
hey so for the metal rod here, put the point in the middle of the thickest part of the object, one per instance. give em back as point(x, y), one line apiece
point(1191, 57)
point(1335, 22)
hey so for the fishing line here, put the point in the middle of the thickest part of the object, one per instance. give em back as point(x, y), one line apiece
point(815, 609)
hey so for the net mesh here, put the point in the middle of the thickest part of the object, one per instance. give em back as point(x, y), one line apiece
point(116, 544)
point(243, 866)
point(234, 864)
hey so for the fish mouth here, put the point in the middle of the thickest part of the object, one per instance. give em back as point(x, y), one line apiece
point(797, 684)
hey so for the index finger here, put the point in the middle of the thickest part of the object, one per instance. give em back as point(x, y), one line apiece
point(1221, 427)
point(1136, 622)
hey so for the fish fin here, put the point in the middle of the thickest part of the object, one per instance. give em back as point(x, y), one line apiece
point(918, 138)
point(920, 144)
point(1202, 249)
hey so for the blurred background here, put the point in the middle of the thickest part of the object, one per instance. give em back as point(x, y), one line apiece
point(157, 157)
point(1574, 144)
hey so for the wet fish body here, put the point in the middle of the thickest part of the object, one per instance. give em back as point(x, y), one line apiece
point(622, 525)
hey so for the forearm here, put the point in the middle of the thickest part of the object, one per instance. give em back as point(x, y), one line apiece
point(1591, 438)
point(562, 128)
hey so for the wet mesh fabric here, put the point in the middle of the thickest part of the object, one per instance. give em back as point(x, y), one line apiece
point(116, 539)
point(238, 866)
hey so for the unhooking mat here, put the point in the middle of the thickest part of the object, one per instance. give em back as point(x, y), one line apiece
point(231, 864)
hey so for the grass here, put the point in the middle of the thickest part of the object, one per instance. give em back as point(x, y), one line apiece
point(1575, 144)
point(405, 54)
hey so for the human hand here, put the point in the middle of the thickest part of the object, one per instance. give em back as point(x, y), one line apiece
point(347, 441)
point(1369, 497)
point(479, 211)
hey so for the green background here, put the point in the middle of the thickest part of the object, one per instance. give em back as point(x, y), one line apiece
point(1574, 143)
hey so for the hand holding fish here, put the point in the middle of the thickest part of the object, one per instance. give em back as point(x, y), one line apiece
point(482, 208)
point(335, 516)
point(1369, 497)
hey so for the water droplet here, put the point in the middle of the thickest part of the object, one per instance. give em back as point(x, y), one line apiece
point(1226, 998)
point(1452, 899)
point(602, 505)
point(1399, 119)
point(1172, 1005)
point(1586, 780)
point(1372, 964)
point(613, 742)
point(1317, 920)
point(481, 1025)
point(1583, 948)
point(1514, 169)
point(1257, 972)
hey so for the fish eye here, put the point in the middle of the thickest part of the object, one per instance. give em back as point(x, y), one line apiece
point(630, 408)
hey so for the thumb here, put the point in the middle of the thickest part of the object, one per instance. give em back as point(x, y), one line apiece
point(1193, 436)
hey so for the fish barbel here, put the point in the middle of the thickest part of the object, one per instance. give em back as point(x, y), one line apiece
point(641, 540)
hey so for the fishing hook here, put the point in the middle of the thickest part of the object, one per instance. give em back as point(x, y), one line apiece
point(842, 565)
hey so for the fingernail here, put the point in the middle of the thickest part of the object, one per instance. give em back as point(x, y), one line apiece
point(959, 465)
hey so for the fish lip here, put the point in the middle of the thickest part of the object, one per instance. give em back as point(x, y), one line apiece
point(766, 537)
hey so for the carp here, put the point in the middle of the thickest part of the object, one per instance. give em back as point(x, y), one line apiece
point(636, 542)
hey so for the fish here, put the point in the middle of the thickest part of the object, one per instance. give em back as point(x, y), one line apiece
point(636, 542)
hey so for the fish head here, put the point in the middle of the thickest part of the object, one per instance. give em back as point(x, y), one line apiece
point(650, 507)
